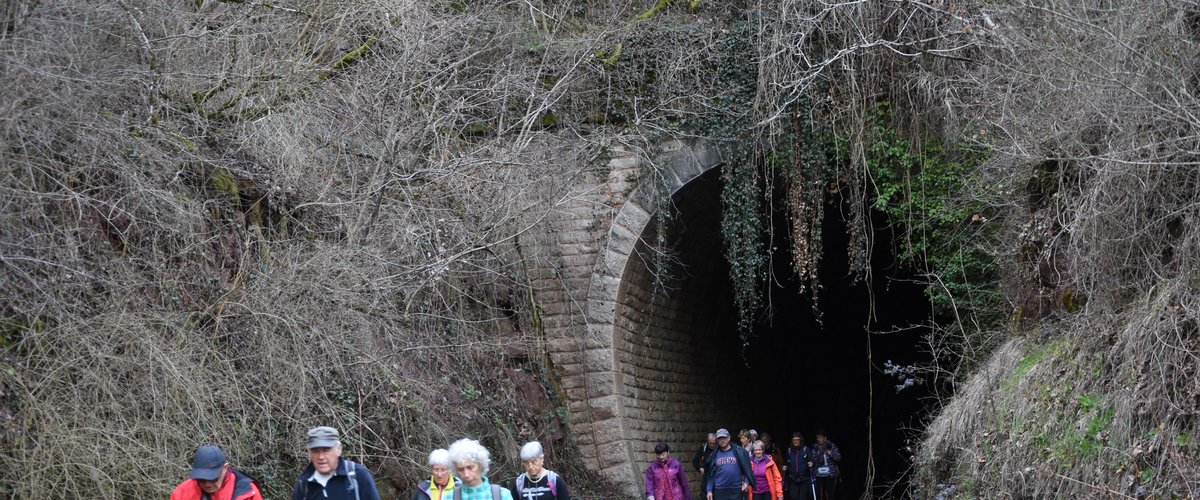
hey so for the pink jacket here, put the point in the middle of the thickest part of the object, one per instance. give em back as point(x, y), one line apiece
point(667, 482)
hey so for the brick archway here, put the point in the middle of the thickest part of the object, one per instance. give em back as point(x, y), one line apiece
point(639, 360)
point(638, 372)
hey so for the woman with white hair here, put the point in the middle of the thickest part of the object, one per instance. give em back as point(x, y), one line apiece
point(471, 461)
point(440, 485)
point(537, 482)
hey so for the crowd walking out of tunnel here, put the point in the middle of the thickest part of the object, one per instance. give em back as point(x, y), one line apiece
point(460, 472)
point(801, 472)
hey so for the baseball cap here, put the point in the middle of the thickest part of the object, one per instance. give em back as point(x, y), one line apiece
point(207, 463)
point(722, 433)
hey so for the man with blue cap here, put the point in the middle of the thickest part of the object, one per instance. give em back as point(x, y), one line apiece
point(728, 473)
point(212, 478)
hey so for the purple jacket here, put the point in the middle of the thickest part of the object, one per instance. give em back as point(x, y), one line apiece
point(667, 482)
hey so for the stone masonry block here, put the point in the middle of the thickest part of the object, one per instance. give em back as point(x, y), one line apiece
point(604, 407)
point(601, 311)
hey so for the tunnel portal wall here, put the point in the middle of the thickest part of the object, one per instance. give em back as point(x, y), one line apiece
point(636, 366)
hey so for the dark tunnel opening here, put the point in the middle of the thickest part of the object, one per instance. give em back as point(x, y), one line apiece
point(801, 373)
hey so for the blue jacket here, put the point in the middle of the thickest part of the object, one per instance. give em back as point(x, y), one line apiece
point(743, 460)
point(339, 486)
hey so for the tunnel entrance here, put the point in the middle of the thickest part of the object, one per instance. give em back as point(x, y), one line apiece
point(806, 368)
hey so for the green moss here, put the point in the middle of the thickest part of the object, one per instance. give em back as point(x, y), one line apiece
point(1031, 359)
point(658, 6)
point(1071, 301)
point(224, 182)
point(477, 129)
point(470, 393)
point(1086, 401)
point(610, 58)
point(548, 120)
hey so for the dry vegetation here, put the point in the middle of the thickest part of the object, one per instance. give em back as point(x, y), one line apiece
point(1092, 110)
point(226, 221)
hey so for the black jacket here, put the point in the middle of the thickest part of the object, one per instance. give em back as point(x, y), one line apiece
point(797, 463)
point(339, 486)
point(701, 456)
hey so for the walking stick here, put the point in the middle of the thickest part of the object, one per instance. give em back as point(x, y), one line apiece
point(812, 482)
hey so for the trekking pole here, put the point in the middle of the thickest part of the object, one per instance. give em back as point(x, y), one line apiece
point(812, 482)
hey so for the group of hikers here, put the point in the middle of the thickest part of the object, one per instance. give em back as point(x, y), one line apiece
point(328, 476)
point(753, 471)
point(456, 473)
point(756, 470)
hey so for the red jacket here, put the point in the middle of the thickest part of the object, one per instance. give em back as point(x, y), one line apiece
point(774, 480)
point(237, 486)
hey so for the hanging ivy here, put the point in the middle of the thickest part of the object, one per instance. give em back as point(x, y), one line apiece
point(743, 221)
point(807, 178)
point(742, 228)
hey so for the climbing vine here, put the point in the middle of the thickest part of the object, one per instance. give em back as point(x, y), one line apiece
point(742, 227)
point(920, 185)
point(743, 221)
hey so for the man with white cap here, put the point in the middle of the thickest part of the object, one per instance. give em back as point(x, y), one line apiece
point(212, 478)
point(330, 476)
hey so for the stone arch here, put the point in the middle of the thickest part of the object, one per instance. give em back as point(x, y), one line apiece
point(626, 371)
point(639, 363)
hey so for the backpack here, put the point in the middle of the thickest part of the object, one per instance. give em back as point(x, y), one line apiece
point(495, 492)
point(552, 478)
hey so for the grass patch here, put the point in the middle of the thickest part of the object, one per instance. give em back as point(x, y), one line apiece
point(1032, 359)
point(1076, 446)
point(1183, 439)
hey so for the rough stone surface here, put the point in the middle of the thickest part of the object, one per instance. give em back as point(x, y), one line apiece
point(634, 364)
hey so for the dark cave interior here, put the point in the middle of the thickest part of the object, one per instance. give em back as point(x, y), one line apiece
point(809, 368)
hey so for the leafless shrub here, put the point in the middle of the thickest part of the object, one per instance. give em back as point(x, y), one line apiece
point(1091, 111)
point(226, 221)
point(229, 221)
